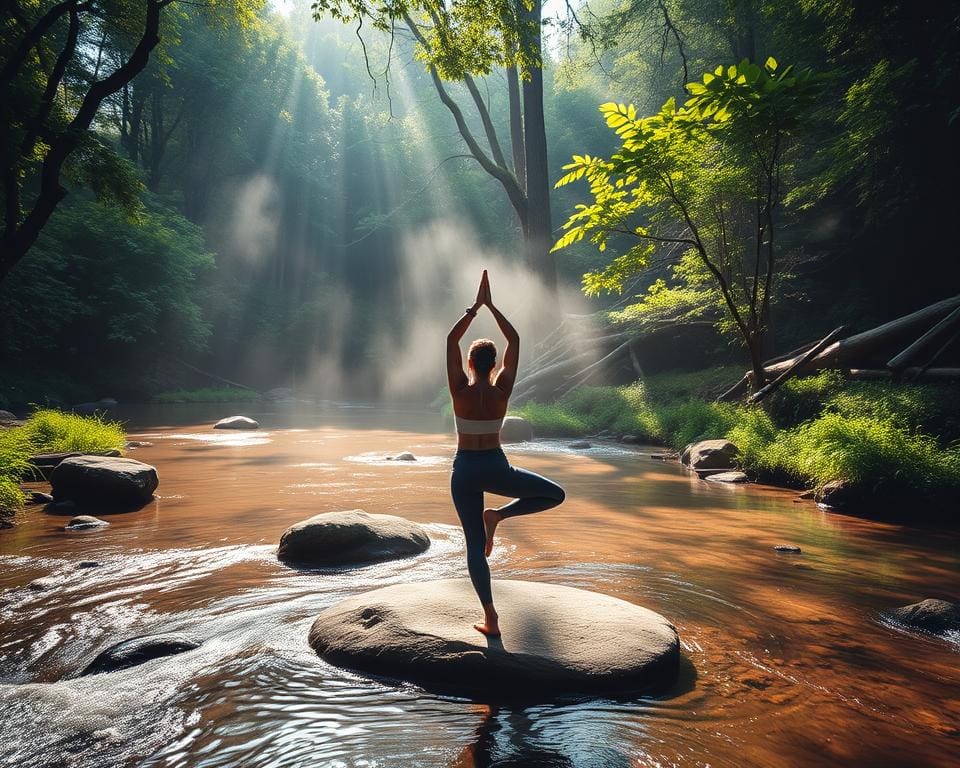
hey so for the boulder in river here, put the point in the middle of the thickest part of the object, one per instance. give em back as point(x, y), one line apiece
point(710, 454)
point(6, 416)
point(104, 481)
point(137, 650)
point(837, 494)
point(404, 456)
point(929, 615)
point(556, 640)
point(580, 445)
point(351, 537)
point(736, 476)
point(237, 422)
point(515, 430)
point(84, 522)
point(38, 497)
point(789, 549)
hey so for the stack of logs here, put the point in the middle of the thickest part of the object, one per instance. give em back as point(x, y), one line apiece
point(578, 351)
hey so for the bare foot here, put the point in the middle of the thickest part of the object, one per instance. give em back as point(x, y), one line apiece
point(488, 628)
point(490, 519)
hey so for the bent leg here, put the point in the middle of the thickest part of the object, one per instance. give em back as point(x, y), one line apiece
point(531, 492)
point(469, 504)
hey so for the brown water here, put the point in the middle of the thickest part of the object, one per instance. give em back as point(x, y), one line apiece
point(788, 662)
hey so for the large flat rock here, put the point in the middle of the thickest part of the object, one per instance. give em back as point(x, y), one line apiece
point(556, 640)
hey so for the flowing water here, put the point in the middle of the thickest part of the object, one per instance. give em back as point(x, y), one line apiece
point(787, 660)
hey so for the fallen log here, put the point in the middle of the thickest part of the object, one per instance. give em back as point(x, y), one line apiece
point(900, 361)
point(912, 373)
point(795, 366)
point(859, 348)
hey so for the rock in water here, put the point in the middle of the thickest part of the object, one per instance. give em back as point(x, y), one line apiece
point(515, 430)
point(555, 639)
point(137, 650)
point(236, 422)
point(352, 537)
point(82, 522)
point(6, 416)
point(728, 477)
point(710, 454)
point(580, 445)
point(405, 456)
point(930, 615)
point(790, 549)
point(837, 494)
point(104, 481)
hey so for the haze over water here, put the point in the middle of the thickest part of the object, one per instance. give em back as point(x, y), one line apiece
point(787, 659)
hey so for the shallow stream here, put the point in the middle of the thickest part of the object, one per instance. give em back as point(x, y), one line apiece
point(788, 661)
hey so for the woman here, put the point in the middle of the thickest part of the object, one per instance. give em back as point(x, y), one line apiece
point(479, 404)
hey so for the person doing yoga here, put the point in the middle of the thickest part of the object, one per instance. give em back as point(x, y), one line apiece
point(480, 465)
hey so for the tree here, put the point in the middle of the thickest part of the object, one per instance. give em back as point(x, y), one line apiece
point(707, 179)
point(59, 66)
point(461, 41)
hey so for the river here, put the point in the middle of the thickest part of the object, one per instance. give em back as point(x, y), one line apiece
point(787, 660)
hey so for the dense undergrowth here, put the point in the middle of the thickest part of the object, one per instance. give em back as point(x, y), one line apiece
point(898, 438)
point(49, 431)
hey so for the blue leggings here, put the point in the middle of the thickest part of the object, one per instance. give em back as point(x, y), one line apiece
point(476, 472)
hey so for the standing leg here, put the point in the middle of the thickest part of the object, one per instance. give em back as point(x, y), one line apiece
point(469, 505)
point(531, 492)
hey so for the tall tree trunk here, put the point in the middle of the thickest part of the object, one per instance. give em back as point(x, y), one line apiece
point(539, 235)
point(516, 128)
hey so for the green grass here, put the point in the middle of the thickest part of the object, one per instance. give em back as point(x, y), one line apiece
point(49, 431)
point(900, 440)
point(208, 395)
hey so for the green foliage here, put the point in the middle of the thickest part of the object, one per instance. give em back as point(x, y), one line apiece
point(11, 497)
point(50, 431)
point(872, 453)
point(208, 395)
point(704, 180)
point(469, 37)
point(98, 285)
point(671, 387)
point(876, 437)
point(686, 422)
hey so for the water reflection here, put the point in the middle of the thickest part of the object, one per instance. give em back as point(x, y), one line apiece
point(786, 661)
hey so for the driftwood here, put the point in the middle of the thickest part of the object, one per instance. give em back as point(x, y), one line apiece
point(796, 365)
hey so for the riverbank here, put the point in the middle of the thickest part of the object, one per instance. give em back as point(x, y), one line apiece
point(887, 444)
point(49, 431)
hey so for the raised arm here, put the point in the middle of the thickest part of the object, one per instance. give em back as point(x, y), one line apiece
point(507, 374)
point(456, 377)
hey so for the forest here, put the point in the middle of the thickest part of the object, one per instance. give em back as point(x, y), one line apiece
point(287, 195)
point(250, 422)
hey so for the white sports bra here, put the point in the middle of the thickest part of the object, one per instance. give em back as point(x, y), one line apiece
point(479, 426)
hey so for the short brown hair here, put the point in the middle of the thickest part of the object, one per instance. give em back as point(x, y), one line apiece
point(483, 355)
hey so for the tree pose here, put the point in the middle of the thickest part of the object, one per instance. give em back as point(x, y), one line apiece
point(480, 465)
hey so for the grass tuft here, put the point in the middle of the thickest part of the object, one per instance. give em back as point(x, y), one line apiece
point(49, 431)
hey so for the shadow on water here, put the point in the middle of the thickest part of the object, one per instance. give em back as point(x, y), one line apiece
point(510, 737)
